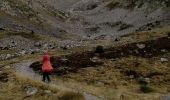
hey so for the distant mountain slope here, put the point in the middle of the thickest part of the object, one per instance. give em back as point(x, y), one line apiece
point(89, 18)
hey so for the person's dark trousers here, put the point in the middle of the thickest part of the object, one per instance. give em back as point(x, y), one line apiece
point(46, 77)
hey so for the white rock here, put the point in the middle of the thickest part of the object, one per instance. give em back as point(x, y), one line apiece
point(23, 52)
point(94, 59)
point(31, 90)
point(7, 67)
point(164, 60)
point(47, 91)
point(141, 46)
point(8, 56)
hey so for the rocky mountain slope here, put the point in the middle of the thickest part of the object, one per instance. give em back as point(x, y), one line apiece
point(86, 18)
point(100, 49)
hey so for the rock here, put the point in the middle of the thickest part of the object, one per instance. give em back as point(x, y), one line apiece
point(125, 83)
point(141, 46)
point(164, 60)
point(47, 91)
point(95, 59)
point(144, 81)
point(7, 67)
point(34, 51)
point(1, 72)
point(45, 46)
point(38, 44)
point(99, 83)
point(23, 52)
point(166, 97)
point(31, 90)
point(131, 76)
point(163, 50)
point(64, 60)
point(88, 96)
point(8, 56)
point(136, 51)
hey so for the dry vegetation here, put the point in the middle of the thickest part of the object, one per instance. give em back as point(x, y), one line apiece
point(15, 89)
point(116, 79)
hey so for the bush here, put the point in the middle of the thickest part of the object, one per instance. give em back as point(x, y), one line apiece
point(146, 89)
point(99, 49)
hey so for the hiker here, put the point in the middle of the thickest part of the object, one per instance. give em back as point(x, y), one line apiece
point(46, 67)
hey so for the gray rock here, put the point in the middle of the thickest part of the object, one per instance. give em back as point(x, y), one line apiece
point(1, 72)
point(144, 80)
point(8, 56)
point(163, 50)
point(164, 60)
point(99, 83)
point(141, 46)
point(47, 91)
point(31, 90)
point(88, 96)
point(7, 67)
point(131, 76)
point(136, 51)
point(37, 44)
point(23, 52)
point(95, 59)
point(166, 97)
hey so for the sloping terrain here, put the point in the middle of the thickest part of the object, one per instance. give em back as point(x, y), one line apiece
point(88, 18)
point(132, 61)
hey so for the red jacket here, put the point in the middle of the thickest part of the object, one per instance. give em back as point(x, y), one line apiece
point(47, 67)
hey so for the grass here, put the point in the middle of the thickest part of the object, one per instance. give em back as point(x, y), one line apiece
point(32, 36)
point(15, 89)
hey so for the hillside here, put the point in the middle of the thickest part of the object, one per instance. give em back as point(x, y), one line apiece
point(100, 49)
point(85, 18)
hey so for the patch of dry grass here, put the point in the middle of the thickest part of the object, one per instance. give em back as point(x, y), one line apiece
point(15, 89)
